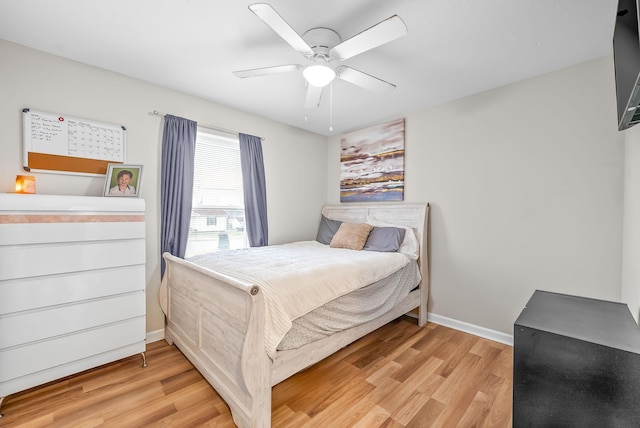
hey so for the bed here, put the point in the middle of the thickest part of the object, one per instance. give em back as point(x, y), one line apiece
point(224, 322)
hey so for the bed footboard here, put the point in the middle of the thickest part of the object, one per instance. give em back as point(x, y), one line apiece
point(218, 323)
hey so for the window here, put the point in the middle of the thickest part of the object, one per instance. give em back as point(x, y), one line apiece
point(217, 215)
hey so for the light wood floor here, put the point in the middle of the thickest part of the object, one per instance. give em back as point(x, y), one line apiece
point(397, 376)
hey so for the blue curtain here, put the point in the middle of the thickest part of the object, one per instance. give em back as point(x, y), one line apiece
point(176, 184)
point(255, 193)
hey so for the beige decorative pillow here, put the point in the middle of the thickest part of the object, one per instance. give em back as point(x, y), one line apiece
point(351, 235)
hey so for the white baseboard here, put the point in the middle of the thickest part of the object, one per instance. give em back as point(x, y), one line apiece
point(496, 336)
point(154, 336)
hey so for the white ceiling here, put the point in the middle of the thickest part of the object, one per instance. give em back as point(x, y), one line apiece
point(454, 48)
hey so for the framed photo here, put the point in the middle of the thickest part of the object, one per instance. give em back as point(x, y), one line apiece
point(123, 180)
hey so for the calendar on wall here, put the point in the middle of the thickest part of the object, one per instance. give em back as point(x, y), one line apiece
point(55, 142)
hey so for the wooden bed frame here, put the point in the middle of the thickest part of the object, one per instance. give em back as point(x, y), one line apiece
point(218, 321)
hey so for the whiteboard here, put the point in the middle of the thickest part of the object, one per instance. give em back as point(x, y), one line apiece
point(58, 143)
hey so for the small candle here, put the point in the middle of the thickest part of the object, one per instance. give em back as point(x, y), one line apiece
point(25, 184)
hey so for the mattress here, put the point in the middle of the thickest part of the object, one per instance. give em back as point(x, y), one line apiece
point(299, 277)
point(353, 309)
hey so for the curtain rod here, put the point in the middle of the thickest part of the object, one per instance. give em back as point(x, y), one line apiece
point(215, 128)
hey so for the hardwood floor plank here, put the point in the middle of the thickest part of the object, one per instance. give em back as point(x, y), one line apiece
point(201, 391)
point(222, 421)
point(356, 412)
point(399, 376)
point(491, 385)
point(453, 353)
point(39, 404)
point(459, 378)
point(144, 417)
point(408, 389)
point(375, 417)
point(111, 405)
point(504, 363)
point(428, 414)
point(33, 421)
point(197, 414)
point(316, 399)
point(431, 384)
point(283, 416)
point(500, 414)
point(412, 405)
point(340, 403)
point(477, 411)
point(409, 360)
point(385, 371)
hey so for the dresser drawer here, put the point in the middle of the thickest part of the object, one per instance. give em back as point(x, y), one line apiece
point(23, 360)
point(24, 261)
point(41, 291)
point(31, 326)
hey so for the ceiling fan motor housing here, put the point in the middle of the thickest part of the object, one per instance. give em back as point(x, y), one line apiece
point(321, 40)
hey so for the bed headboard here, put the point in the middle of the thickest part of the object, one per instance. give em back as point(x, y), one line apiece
point(415, 216)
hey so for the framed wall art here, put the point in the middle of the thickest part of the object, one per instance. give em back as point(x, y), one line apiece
point(372, 163)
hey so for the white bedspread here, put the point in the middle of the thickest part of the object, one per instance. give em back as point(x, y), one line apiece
point(299, 277)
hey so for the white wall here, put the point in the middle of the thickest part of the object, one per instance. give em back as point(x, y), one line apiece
point(525, 181)
point(294, 159)
point(526, 187)
point(631, 240)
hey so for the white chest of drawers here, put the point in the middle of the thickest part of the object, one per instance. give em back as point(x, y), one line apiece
point(72, 285)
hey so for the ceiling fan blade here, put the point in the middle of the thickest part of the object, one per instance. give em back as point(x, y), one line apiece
point(267, 70)
point(383, 32)
point(270, 17)
point(314, 94)
point(364, 80)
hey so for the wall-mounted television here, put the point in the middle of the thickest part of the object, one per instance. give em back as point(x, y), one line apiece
point(626, 54)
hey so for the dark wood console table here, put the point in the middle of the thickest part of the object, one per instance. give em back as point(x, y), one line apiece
point(576, 364)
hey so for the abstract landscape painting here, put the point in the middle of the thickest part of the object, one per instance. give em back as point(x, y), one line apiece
point(372, 163)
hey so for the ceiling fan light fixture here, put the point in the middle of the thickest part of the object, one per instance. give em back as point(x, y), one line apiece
point(318, 75)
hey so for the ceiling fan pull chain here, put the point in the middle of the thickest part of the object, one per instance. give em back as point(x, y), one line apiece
point(331, 106)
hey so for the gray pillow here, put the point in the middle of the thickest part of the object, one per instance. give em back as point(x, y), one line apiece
point(386, 239)
point(327, 229)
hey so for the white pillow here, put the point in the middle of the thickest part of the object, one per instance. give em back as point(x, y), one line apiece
point(410, 245)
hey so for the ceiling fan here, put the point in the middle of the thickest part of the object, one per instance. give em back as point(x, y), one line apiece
point(322, 46)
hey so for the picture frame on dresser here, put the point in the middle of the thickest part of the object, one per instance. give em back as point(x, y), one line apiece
point(123, 180)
